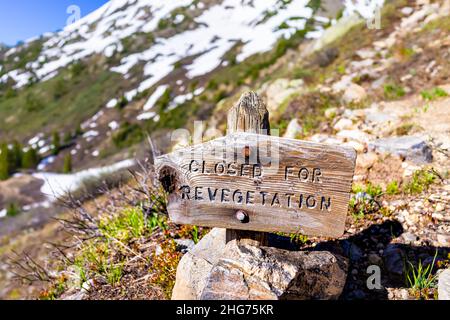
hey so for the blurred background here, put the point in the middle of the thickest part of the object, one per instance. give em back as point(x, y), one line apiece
point(91, 89)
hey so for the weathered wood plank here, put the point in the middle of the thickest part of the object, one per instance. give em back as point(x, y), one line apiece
point(249, 114)
point(282, 184)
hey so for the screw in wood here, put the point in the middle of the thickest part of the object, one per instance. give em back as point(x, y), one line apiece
point(242, 216)
point(246, 152)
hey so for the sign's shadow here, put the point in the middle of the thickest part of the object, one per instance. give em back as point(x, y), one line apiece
point(375, 245)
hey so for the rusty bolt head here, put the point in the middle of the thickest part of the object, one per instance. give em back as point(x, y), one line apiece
point(242, 216)
point(246, 152)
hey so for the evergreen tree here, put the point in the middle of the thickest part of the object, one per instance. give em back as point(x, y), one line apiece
point(67, 137)
point(78, 131)
point(67, 164)
point(4, 163)
point(12, 210)
point(122, 103)
point(56, 140)
point(30, 159)
point(11, 160)
point(59, 89)
point(17, 155)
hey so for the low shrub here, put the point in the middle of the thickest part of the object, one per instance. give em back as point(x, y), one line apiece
point(128, 135)
point(420, 181)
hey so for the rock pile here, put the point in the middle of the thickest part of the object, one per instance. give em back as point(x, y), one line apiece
point(215, 271)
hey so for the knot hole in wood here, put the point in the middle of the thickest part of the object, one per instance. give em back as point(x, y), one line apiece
point(168, 179)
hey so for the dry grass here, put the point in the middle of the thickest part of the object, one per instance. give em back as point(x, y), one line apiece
point(121, 246)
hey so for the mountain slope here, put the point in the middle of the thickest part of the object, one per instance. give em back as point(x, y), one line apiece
point(133, 67)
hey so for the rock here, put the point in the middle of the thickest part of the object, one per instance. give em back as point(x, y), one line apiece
point(440, 217)
point(77, 295)
point(402, 215)
point(293, 130)
point(180, 141)
point(393, 257)
point(87, 285)
point(330, 113)
point(444, 285)
point(365, 54)
point(279, 90)
point(386, 43)
point(359, 148)
point(403, 294)
point(266, 273)
point(379, 82)
point(380, 117)
point(406, 77)
point(440, 207)
point(354, 93)
point(355, 135)
point(195, 266)
point(412, 219)
point(409, 237)
point(409, 169)
point(407, 11)
point(412, 148)
point(184, 245)
point(342, 84)
point(326, 57)
point(343, 124)
point(352, 251)
point(432, 261)
point(158, 250)
point(355, 114)
point(443, 239)
point(319, 137)
point(366, 160)
point(332, 141)
point(374, 259)
point(363, 197)
point(357, 295)
point(413, 20)
point(336, 31)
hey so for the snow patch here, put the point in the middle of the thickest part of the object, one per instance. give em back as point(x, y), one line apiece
point(220, 27)
point(155, 97)
point(90, 134)
point(56, 185)
point(112, 103)
point(45, 162)
point(146, 116)
point(113, 125)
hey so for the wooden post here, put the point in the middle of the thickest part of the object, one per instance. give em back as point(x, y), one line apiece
point(248, 115)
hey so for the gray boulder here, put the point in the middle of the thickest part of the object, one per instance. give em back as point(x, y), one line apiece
point(266, 273)
point(444, 285)
point(394, 258)
point(412, 148)
point(293, 129)
point(443, 239)
point(195, 266)
point(352, 251)
point(184, 245)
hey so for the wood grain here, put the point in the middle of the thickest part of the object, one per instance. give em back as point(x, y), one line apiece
point(249, 114)
point(317, 176)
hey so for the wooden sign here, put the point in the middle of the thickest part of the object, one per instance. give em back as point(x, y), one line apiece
point(248, 181)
